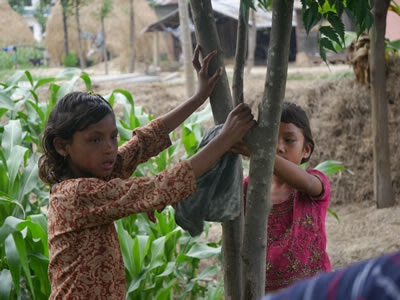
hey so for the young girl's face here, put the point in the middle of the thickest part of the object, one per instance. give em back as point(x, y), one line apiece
point(92, 152)
point(291, 143)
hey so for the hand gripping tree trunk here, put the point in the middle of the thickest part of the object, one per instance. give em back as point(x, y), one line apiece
point(262, 147)
point(383, 191)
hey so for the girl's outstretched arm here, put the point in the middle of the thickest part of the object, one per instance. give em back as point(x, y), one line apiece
point(296, 177)
point(288, 172)
point(239, 121)
point(206, 84)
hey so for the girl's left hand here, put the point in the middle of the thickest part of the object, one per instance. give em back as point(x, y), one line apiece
point(206, 82)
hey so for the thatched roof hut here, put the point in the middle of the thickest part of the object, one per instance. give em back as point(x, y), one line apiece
point(116, 26)
point(13, 28)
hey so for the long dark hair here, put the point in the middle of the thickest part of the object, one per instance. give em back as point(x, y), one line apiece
point(292, 113)
point(74, 112)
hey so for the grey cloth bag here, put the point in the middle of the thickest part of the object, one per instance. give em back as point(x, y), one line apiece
point(218, 194)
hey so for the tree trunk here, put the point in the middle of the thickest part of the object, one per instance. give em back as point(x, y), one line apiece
point(262, 147)
point(82, 60)
point(186, 44)
point(240, 54)
point(104, 47)
point(233, 230)
point(132, 52)
point(156, 47)
point(221, 105)
point(252, 41)
point(64, 4)
point(383, 191)
point(207, 36)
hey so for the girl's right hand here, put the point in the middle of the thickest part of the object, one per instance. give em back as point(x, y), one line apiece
point(238, 123)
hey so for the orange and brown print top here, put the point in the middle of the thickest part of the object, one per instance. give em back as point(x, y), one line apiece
point(85, 257)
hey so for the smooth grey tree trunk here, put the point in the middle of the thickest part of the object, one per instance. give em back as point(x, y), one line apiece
point(103, 31)
point(207, 37)
point(221, 105)
point(64, 7)
point(240, 54)
point(252, 41)
point(233, 230)
point(132, 52)
point(383, 191)
point(82, 60)
point(186, 43)
point(262, 147)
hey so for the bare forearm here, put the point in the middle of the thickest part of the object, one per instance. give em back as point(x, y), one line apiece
point(179, 114)
point(296, 177)
point(205, 158)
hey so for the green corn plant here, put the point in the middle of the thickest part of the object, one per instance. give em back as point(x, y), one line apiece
point(192, 132)
point(160, 259)
point(24, 258)
point(163, 261)
point(167, 254)
point(330, 167)
point(23, 229)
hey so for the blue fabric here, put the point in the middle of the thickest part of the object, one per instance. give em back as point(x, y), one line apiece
point(373, 279)
point(218, 194)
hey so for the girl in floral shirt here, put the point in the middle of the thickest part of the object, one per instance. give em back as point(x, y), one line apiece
point(91, 185)
point(296, 236)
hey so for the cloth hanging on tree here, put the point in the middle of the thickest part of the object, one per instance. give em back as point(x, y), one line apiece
point(218, 196)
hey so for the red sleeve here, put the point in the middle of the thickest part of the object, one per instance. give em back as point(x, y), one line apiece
point(326, 188)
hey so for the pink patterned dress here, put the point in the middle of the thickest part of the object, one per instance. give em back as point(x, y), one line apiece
point(85, 257)
point(296, 237)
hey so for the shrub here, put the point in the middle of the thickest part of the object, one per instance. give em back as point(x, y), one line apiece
point(70, 60)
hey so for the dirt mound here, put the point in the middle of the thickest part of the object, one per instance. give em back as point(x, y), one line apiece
point(340, 113)
point(13, 28)
point(363, 232)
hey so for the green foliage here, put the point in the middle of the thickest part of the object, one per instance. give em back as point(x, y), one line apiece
point(192, 133)
point(392, 47)
point(326, 16)
point(321, 12)
point(105, 9)
point(330, 167)
point(20, 57)
point(161, 260)
point(70, 60)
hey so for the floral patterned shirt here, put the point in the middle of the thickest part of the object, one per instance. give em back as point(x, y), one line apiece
point(296, 237)
point(85, 256)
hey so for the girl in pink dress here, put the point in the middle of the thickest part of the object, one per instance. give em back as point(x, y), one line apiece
point(296, 236)
point(91, 186)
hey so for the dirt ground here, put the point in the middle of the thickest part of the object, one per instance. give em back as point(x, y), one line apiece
point(339, 110)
